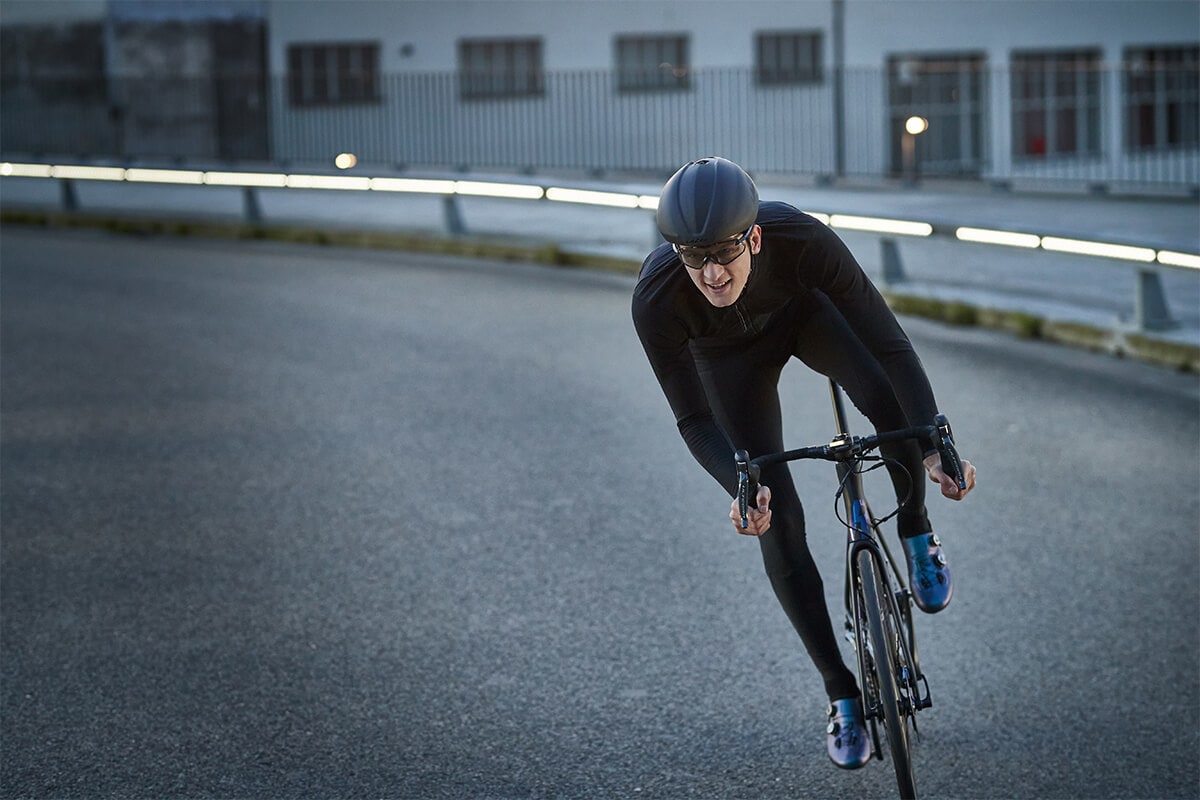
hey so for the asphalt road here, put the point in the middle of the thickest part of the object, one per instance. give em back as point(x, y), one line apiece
point(299, 522)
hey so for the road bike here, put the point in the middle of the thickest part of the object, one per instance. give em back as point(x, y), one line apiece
point(879, 618)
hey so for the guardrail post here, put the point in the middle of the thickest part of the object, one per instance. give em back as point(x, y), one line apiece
point(250, 208)
point(893, 267)
point(1150, 311)
point(66, 191)
point(453, 213)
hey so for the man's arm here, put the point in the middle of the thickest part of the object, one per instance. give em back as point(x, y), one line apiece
point(666, 347)
point(832, 269)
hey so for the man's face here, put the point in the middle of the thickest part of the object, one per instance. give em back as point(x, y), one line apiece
point(722, 284)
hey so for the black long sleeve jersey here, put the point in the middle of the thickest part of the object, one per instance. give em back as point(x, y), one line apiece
point(798, 255)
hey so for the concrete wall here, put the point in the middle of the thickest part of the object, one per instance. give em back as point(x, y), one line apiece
point(422, 35)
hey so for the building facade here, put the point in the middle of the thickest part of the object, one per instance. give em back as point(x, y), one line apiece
point(1101, 92)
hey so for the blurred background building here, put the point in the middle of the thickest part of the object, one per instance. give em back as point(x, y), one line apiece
point(1099, 93)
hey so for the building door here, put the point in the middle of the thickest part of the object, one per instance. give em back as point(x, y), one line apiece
point(948, 92)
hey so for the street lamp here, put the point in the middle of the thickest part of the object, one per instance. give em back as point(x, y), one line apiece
point(914, 126)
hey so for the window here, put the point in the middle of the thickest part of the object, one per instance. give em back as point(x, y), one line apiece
point(333, 74)
point(1056, 104)
point(1162, 98)
point(783, 58)
point(490, 68)
point(652, 63)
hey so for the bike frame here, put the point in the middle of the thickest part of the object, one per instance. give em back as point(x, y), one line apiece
point(892, 684)
point(863, 535)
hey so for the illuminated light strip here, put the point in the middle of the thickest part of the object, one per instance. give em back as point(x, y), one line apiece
point(244, 179)
point(518, 191)
point(1080, 247)
point(88, 173)
point(160, 175)
point(328, 182)
point(590, 197)
point(881, 225)
point(1008, 238)
point(412, 185)
point(1174, 259)
point(25, 170)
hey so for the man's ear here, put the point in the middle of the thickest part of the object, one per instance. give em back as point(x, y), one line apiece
point(756, 240)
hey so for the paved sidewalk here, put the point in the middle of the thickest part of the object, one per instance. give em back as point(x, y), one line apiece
point(1057, 287)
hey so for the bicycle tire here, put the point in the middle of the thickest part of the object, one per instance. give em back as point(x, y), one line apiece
point(881, 633)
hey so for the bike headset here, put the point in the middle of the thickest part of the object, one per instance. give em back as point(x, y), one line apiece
point(705, 202)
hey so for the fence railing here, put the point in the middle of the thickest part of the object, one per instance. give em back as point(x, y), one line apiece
point(1150, 308)
point(583, 120)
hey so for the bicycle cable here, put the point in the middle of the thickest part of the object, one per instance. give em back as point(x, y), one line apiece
point(856, 469)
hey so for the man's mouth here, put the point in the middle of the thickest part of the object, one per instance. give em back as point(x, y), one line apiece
point(719, 287)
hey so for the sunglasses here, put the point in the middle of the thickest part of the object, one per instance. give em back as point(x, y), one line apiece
point(720, 254)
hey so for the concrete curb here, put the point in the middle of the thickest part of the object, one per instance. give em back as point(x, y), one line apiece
point(1172, 355)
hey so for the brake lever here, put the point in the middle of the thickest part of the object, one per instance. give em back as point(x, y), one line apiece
point(951, 463)
point(747, 485)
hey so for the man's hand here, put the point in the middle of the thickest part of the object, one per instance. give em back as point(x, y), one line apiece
point(933, 465)
point(759, 518)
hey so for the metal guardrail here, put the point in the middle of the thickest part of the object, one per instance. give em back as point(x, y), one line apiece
point(1151, 310)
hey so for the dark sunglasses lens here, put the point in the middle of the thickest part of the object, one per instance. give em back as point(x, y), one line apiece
point(723, 255)
point(726, 254)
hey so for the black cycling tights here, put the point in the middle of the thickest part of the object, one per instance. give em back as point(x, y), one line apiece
point(742, 383)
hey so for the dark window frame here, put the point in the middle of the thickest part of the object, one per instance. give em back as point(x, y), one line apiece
point(500, 68)
point(1160, 95)
point(786, 58)
point(1057, 100)
point(333, 73)
point(659, 62)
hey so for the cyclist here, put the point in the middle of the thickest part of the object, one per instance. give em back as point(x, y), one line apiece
point(739, 288)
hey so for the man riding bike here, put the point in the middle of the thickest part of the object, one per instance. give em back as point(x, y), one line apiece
point(738, 289)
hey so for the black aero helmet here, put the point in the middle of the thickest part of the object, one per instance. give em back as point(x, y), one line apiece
point(706, 201)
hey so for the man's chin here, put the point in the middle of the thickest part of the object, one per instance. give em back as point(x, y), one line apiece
point(722, 299)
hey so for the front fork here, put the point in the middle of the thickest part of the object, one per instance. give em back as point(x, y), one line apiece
point(865, 536)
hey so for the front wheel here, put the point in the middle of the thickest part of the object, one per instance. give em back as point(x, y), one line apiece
point(883, 629)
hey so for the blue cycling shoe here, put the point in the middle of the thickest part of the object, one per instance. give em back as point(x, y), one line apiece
point(928, 574)
point(848, 743)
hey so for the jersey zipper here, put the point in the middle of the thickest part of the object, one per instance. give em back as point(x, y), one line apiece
point(742, 318)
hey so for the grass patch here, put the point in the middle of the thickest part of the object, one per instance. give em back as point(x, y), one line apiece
point(1183, 357)
point(951, 311)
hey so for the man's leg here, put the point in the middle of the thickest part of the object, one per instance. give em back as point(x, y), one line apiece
point(826, 344)
point(743, 388)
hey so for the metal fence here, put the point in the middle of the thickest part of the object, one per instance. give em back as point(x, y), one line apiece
point(847, 125)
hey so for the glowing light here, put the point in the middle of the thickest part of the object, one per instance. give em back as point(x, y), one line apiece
point(1174, 259)
point(412, 185)
point(345, 160)
point(164, 176)
point(916, 125)
point(1007, 238)
point(819, 217)
point(1080, 247)
point(519, 191)
point(244, 179)
point(328, 182)
point(649, 201)
point(590, 197)
point(881, 225)
point(88, 173)
point(25, 170)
